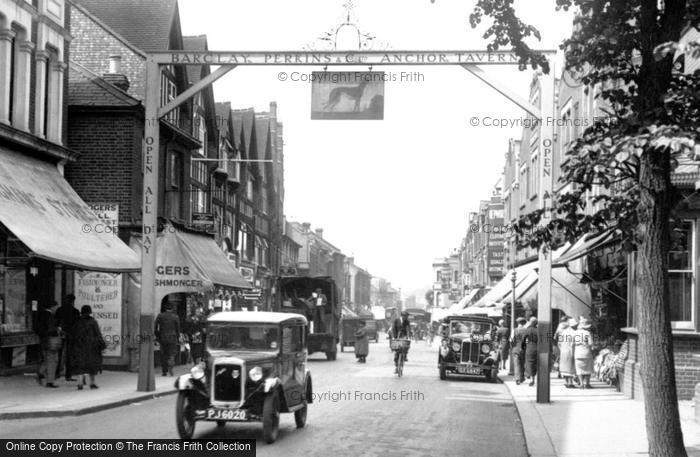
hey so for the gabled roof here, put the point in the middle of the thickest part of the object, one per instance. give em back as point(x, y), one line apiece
point(243, 122)
point(144, 23)
point(223, 116)
point(195, 43)
point(262, 131)
point(88, 89)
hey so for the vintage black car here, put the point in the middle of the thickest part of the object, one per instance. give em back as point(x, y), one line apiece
point(468, 347)
point(254, 369)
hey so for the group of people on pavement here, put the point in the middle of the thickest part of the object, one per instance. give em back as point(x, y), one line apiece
point(573, 350)
point(71, 343)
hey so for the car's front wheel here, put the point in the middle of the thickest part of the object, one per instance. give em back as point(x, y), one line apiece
point(184, 416)
point(271, 417)
point(300, 416)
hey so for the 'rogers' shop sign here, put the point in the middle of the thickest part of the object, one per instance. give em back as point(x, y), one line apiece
point(176, 276)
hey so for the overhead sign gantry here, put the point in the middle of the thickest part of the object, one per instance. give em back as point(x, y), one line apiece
point(470, 60)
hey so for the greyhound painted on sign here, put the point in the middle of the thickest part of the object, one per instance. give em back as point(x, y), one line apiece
point(351, 92)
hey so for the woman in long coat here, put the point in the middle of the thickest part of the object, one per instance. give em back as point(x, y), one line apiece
point(88, 345)
point(583, 353)
point(361, 343)
point(565, 341)
point(503, 340)
point(530, 346)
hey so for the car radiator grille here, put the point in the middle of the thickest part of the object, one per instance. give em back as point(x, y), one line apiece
point(470, 352)
point(227, 382)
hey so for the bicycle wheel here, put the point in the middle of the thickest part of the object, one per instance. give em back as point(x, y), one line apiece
point(400, 365)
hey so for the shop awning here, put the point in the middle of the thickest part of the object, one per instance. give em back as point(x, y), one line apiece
point(525, 276)
point(585, 245)
point(41, 209)
point(467, 299)
point(188, 263)
point(213, 261)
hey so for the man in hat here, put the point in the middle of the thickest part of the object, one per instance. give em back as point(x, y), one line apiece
point(167, 332)
point(49, 336)
point(67, 316)
point(318, 302)
point(517, 349)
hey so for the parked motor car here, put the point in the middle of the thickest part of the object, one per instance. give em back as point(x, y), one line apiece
point(468, 347)
point(254, 369)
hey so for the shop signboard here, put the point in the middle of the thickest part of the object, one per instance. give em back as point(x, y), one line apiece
point(253, 294)
point(108, 214)
point(347, 95)
point(247, 274)
point(103, 292)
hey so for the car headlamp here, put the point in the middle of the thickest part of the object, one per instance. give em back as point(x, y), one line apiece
point(485, 348)
point(455, 346)
point(197, 372)
point(256, 374)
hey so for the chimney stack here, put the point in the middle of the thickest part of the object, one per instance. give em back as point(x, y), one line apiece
point(319, 232)
point(115, 65)
point(306, 227)
point(115, 76)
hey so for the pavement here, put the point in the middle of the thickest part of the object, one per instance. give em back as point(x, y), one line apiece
point(584, 423)
point(23, 398)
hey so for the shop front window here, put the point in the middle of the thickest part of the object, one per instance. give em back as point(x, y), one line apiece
point(13, 287)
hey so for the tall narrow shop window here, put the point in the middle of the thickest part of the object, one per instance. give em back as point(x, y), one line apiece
point(50, 92)
point(681, 265)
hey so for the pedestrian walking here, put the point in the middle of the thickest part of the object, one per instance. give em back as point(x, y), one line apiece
point(563, 324)
point(195, 330)
point(583, 353)
point(67, 317)
point(361, 343)
point(503, 340)
point(167, 332)
point(88, 344)
point(51, 344)
point(517, 349)
point(565, 342)
point(530, 348)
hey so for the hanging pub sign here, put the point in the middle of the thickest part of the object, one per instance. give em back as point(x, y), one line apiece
point(347, 95)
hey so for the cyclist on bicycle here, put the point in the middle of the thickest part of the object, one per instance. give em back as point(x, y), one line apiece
point(401, 329)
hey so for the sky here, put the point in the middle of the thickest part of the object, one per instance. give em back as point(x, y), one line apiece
point(393, 193)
